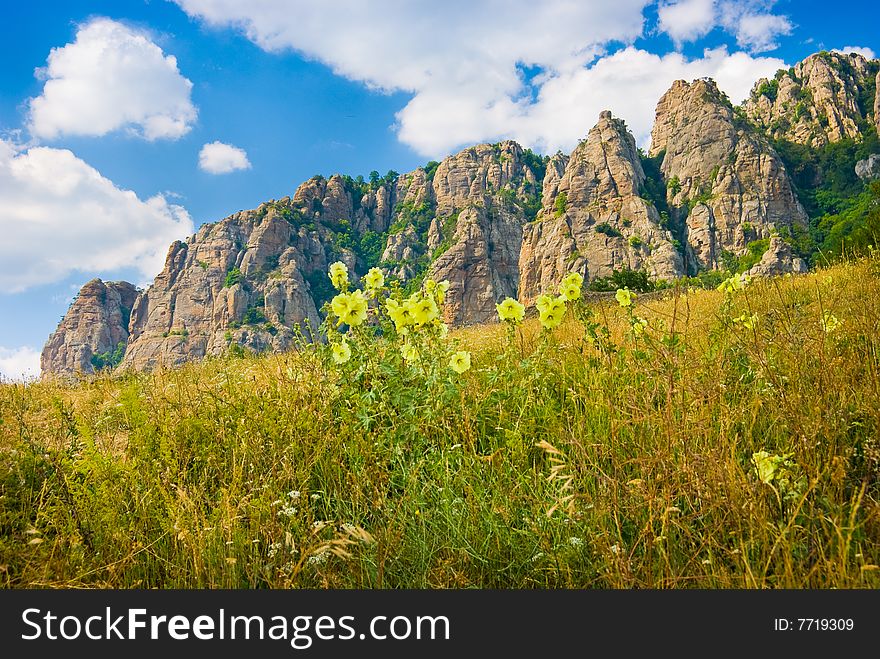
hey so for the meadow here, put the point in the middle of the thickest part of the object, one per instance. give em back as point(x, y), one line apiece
point(685, 439)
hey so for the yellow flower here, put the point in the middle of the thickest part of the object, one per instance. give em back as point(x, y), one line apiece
point(442, 288)
point(569, 290)
point(339, 305)
point(460, 361)
point(436, 289)
point(374, 279)
point(573, 278)
point(444, 330)
point(341, 352)
point(424, 310)
point(511, 310)
point(409, 353)
point(350, 308)
point(399, 314)
point(829, 322)
point(624, 297)
point(338, 275)
point(543, 302)
point(553, 313)
point(765, 466)
point(749, 322)
point(734, 283)
point(639, 326)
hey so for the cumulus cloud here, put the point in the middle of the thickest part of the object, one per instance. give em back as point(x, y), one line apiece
point(535, 72)
point(864, 51)
point(59, 215)
point(19, 364)
point(409, 45)
point(220, 158)
point(686, 20)
point(629, 83)
point(111, 77)
point(752, 22)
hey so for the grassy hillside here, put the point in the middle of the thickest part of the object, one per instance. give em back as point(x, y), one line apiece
point(732, 441)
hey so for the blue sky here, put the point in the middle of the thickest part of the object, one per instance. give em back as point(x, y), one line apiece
point(101, 142)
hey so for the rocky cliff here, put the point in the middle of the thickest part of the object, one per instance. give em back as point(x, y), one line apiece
point(779, 259)
point(494, 219)
point(93, 333)
point(237, 281)
point(869, 168)
point(593, 218)
point(877, 101)
point(475, 237)
point(257, 279)
point(825, 98)
point(726, 186)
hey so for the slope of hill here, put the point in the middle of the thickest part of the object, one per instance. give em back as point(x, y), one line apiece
point(695, 439)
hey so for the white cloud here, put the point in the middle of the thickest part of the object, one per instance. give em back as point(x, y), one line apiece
point(465, 69)
point(755, 28)
point(629, 83)
point(111, 77)
point(59, 215)
point(19, 364)
point(410, 45)
point(752, 22)
point(220, 158)
point(864, 51)
point(686, 20)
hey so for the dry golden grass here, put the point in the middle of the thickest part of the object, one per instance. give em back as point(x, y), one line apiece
point(551, 463)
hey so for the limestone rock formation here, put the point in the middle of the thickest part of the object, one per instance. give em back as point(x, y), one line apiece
point(877, 102)
point(240, 281)
point(593, 218)
point(494, 219)
point(778, 260)
point(726, 186)
point(869, 168)
point(402, 252)
point(481, 193)
point(482, 263)
point(825, 98)
point(258, 278)
point(93, 329)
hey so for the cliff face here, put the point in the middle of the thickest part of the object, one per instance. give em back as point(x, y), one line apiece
point(593, 219)
point(94, 327)
point(877, 101)
point(725, 185)
point(825, 98)
point(778, 260)
point(238, 281)
point(476, 233)
point(494, 219)
point(258, 278)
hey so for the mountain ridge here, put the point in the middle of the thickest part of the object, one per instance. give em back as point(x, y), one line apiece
point(497, 220)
